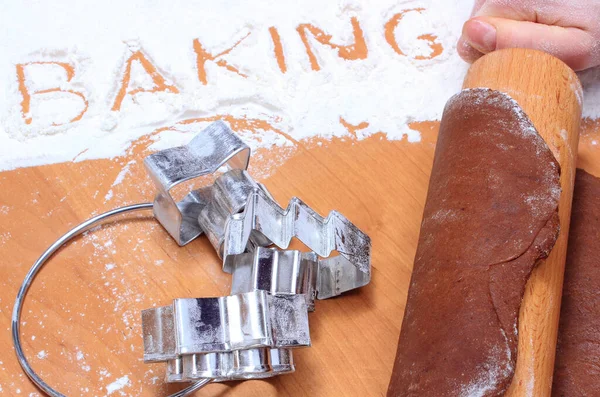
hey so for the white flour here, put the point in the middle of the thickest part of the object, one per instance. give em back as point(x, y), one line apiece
point(72, 57)
point(117, 385)
point(76, 54)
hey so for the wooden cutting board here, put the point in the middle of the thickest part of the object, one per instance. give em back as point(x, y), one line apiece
point(82, 317)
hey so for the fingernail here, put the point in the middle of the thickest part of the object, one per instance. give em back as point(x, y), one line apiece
point(466, 51)
point(481, 35)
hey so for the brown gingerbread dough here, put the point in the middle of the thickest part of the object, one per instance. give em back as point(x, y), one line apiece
point(490, 216)
point(577, 365)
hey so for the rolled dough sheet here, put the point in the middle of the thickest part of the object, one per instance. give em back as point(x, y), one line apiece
point(577, 365)
point(490, 216)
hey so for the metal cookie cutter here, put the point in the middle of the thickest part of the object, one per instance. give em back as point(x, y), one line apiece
point(257, 363)
point(335, 275)
point(214, 147)
point(277, 271)
point(239, 214)
point(236, 322)
point(281, 273)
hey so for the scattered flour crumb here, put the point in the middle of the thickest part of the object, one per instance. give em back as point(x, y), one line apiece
point(109, 266)
point(118, 385)
point(119, 179)
point(126, 170)
point(42, 354)
point(108, 195)
point(103, 373)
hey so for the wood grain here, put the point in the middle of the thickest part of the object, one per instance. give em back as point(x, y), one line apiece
point(83, 310)
point(548, 91)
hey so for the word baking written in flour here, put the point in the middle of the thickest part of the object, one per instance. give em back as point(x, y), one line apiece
point(156, 82)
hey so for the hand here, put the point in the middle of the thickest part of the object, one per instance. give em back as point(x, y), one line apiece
point(567, 29)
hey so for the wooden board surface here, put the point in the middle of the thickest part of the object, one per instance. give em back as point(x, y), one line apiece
point(82, 317)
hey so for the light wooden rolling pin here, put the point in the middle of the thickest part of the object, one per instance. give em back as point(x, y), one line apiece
point(550, 93)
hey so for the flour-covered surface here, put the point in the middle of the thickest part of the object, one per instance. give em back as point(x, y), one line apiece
point(84, 81)
point(81, 321)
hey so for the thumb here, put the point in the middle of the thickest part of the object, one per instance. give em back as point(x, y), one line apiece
point(573, 46)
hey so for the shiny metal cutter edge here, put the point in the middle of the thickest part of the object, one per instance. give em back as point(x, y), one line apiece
point(278, 272)
point(258, 363)
point(337, 274)
point(239, 215)
point(235, 322)
point(212, 148)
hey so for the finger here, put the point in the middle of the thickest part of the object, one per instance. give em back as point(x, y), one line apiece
point(578, 14)
point(573, 46)
point(511, 9)
point(477, 6)
point(466, 51)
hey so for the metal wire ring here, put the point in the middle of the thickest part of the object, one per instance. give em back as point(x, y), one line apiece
point(16, 315)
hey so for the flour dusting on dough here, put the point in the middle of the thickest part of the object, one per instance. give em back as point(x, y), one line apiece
point(492, 372)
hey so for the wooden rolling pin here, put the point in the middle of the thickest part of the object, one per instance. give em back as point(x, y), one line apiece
point(550, 93)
